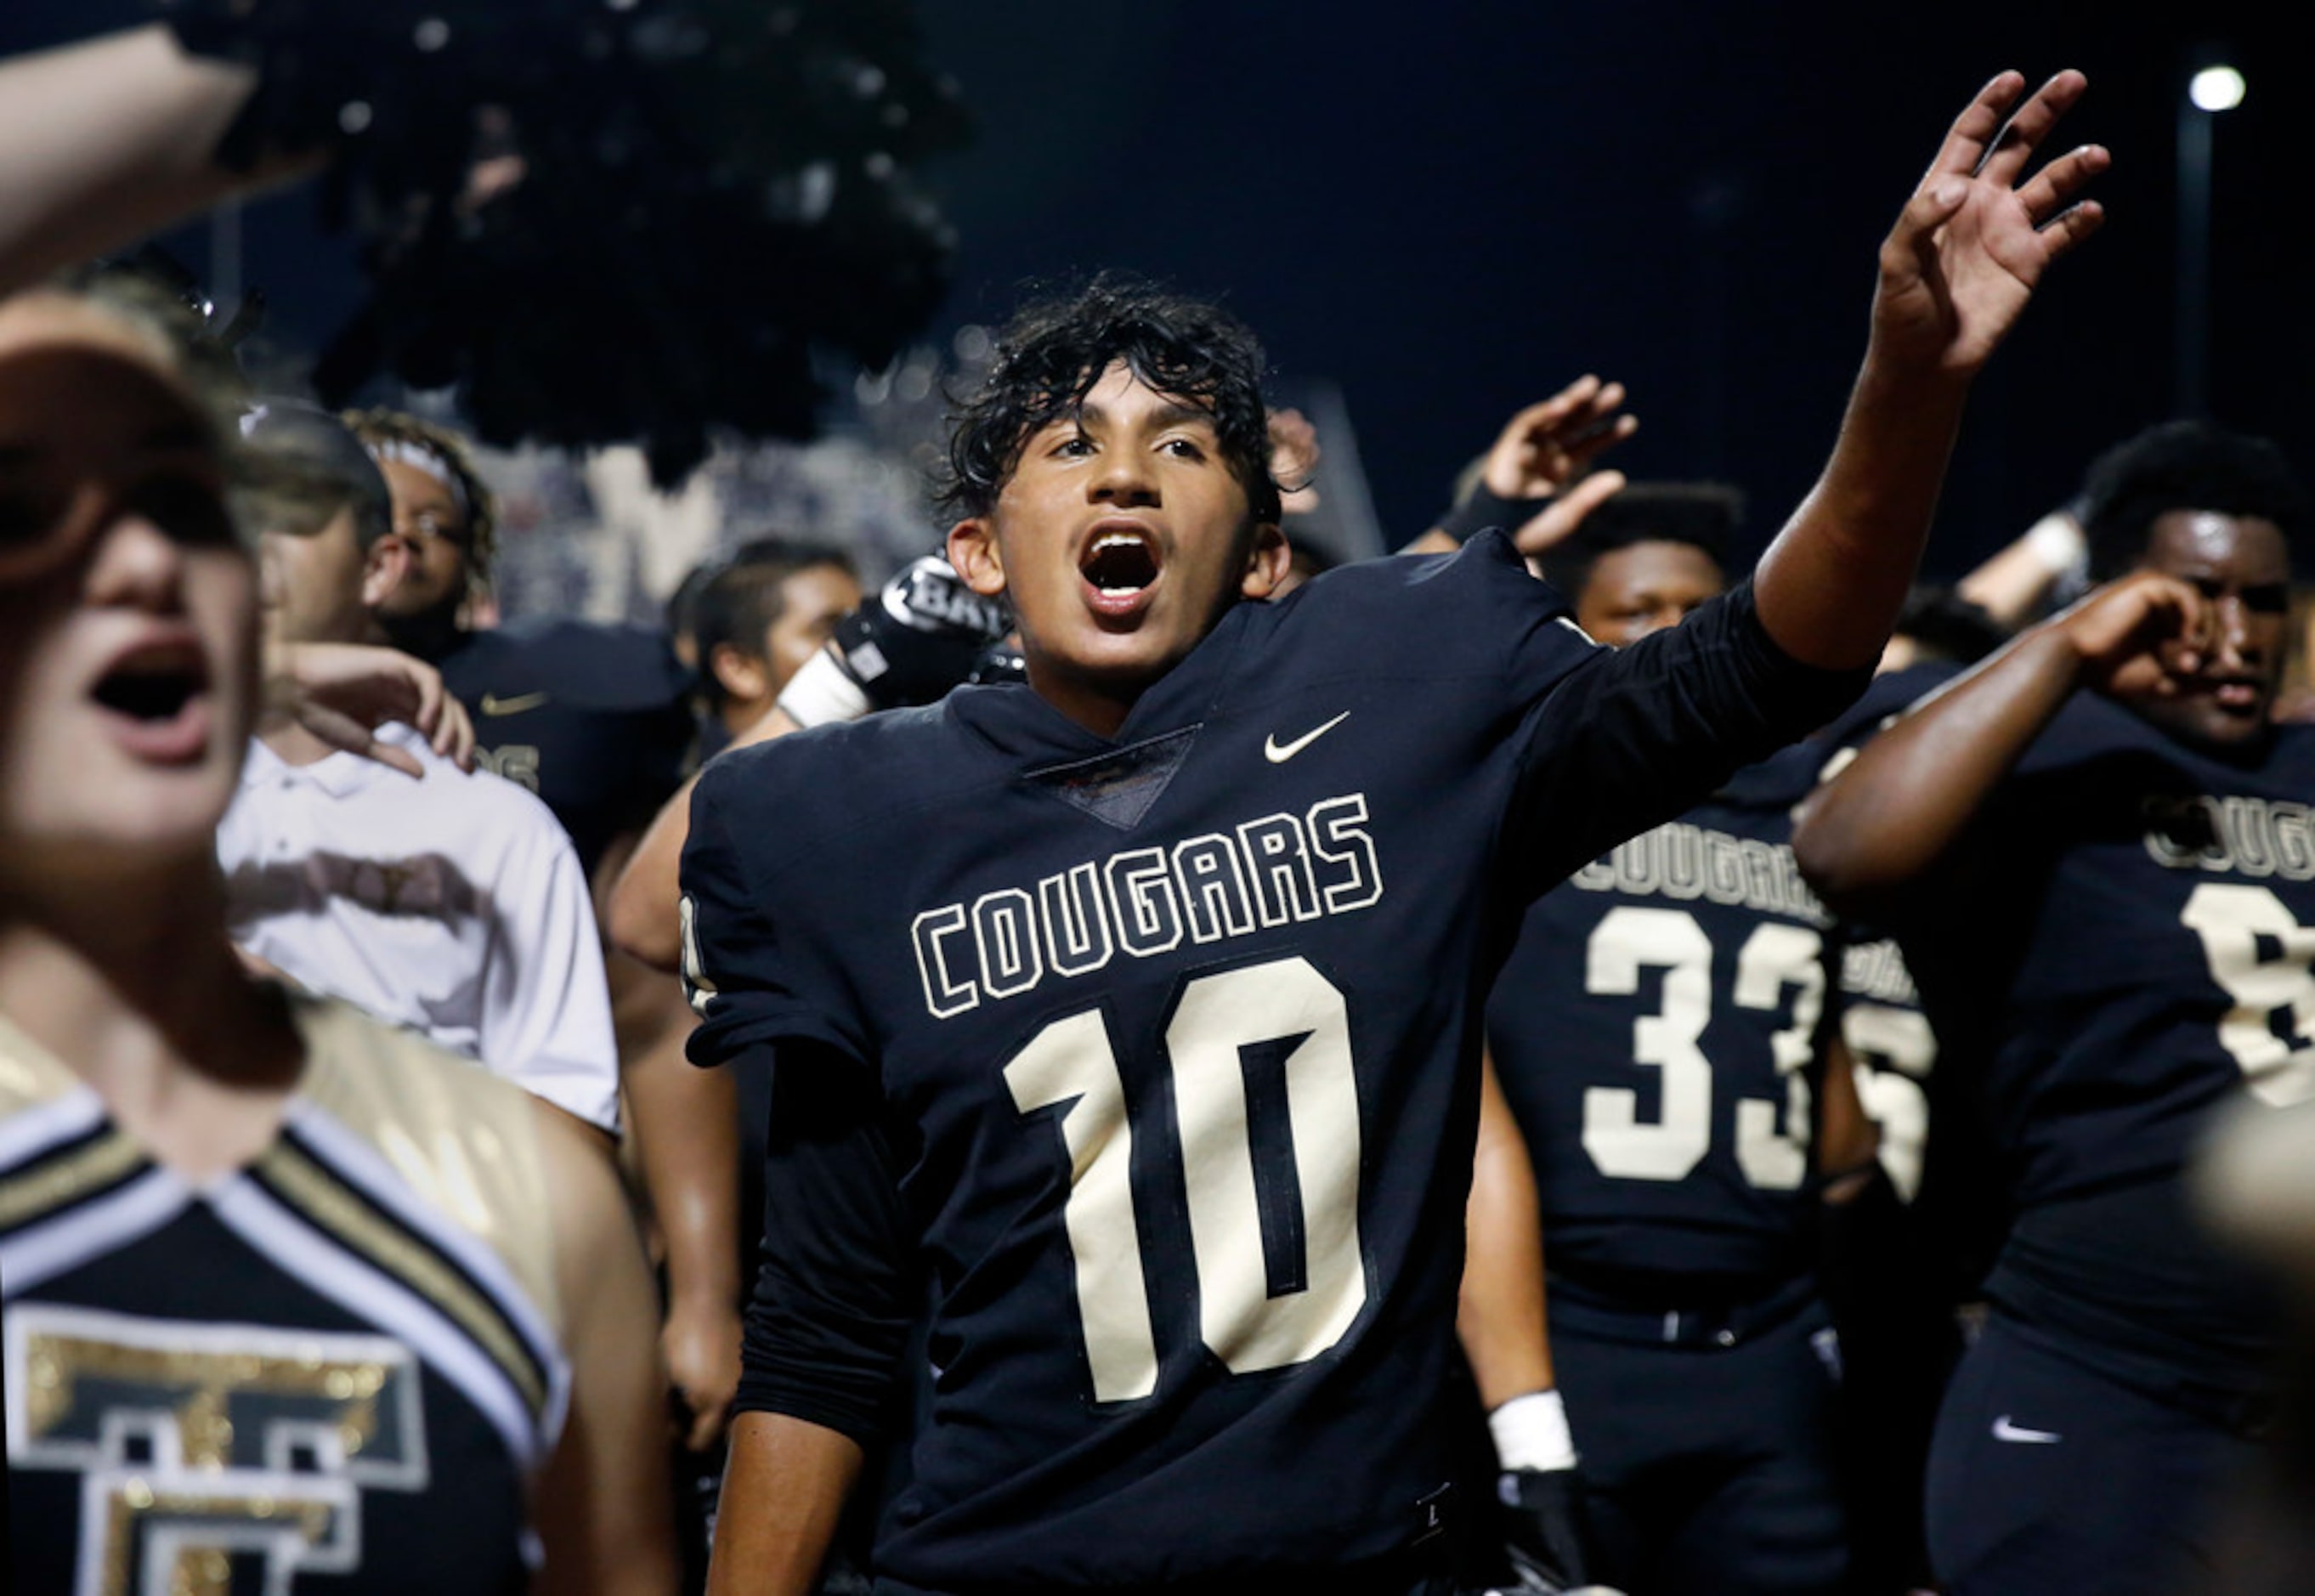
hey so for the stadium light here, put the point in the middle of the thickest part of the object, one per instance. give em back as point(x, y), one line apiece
point(2216, 89)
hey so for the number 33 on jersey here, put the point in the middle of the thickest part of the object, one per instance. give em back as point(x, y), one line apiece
point(1654, 1032)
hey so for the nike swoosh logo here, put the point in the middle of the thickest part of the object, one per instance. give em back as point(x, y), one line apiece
point(2003, 1429)
point(494, 704)
point(1278, 752)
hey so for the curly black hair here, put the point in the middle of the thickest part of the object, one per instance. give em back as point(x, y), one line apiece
point(1055, 350)
point(2185, 466)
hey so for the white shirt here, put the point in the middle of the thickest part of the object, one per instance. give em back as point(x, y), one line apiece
point(453, 907)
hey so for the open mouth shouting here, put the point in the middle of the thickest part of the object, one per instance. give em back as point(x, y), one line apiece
point(1119, 564)
point(155, 698)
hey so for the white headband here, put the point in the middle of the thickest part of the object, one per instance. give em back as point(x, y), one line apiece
point(427, 458)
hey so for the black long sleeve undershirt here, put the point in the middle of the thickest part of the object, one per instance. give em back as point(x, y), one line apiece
point(836, 1295)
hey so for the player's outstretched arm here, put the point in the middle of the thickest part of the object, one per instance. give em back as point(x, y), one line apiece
point(602, 1505)
point(1898, 809)
point(1956, 272)
point(104, 142)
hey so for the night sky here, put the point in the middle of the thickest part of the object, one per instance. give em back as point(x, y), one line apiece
point(1448, 208)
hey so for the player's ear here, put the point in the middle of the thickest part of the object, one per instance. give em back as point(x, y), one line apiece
point(1266, 562)
point(384, 567)
point(973, 550)
point(741, 677)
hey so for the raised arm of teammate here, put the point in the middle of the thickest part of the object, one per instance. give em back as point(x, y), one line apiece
point(2019, 575)
point(1525, 480)
point(343, 692)
point(1901, 806)
point(1956, 271)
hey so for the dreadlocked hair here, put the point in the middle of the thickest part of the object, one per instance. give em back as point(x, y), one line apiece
point(382, 426)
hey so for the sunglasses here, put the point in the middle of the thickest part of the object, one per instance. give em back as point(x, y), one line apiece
point(42, 527)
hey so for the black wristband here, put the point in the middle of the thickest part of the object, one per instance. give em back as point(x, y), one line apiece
point(1484, 507)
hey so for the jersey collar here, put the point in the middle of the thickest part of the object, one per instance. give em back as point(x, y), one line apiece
point(1017, 724)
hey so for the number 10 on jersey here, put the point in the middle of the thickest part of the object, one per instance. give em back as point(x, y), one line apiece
point(1072, 1065)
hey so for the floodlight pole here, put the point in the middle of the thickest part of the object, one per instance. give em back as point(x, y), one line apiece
point(2191, 327)
point(2214, 88)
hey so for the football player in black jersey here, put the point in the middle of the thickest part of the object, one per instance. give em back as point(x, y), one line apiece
point(2096, 851)
point(1909, 1231)
point(1140, 1004)
point(1655, 1035)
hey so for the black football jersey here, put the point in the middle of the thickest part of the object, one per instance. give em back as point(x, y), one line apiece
point(1655, 1034)
point(1891, 1042)
point(1182, 1028)
point(2133, 945)
point(594, 719)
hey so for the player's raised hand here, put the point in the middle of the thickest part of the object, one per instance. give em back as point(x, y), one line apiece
point(1548, 445)
point(1294, 455)
point(1557, 521)
point(1979, 233)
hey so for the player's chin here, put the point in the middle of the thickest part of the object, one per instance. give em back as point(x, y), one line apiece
point(1136, 654)
point(2223, 729)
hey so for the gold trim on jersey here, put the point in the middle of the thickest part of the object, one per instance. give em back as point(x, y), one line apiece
point(462, 1138)
point(197, 1387)
point(53, 1183)
point(197, 1571)
point(29, 1074)
point(320, 1195)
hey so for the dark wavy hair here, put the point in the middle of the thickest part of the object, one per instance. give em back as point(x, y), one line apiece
point(1055, 350)
point(2185, 466)
point(746, 596)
